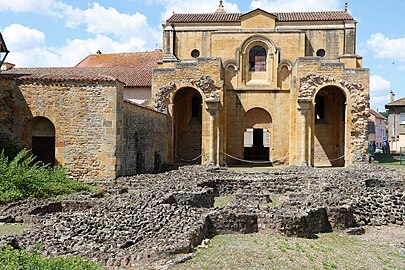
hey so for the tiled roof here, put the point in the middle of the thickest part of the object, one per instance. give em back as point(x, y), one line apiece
point(399, 102)
point(205, 17)
point(133, 69)
point(57, 74)
point(131, 76)
point(133, 59)
point(377, 114)
point(281, 17)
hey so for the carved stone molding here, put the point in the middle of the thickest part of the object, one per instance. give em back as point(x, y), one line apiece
point(205, 84)
point(311, 82)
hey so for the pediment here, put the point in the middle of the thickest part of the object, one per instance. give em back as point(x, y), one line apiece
point(258, 18)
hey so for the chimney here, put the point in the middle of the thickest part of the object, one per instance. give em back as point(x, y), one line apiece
point(7, 66)
point(392, 96)
point(220, 9)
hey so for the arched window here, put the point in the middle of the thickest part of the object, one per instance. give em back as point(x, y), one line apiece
point(257, 59)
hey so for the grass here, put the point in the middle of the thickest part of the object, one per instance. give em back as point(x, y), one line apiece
point(12, 259)
point(268, 251)
point(223, 201)
point(12, 229)
point(393, 164)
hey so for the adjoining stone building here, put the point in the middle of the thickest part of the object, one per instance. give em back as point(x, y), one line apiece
point(78, 118)
point(284, 87)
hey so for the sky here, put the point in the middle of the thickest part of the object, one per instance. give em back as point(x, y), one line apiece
point(43, 33)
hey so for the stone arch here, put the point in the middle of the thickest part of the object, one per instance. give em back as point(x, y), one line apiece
point(204, 85)
point(187, 120)
point(257, 129)
point(250, 76)
point(284, 75)
point(43, 139)
point(231, 71)
point(330, 122)
point(258, 40)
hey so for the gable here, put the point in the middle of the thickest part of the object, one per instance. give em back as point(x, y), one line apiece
point(258, 19)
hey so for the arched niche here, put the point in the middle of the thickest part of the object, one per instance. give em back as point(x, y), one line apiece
point(43, 140)
point(257, 134)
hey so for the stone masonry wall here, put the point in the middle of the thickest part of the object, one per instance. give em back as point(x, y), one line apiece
point(144, 139)
point(84, 114)
point(311, 74)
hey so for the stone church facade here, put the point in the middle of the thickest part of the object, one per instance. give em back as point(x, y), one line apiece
point(281, 87)
point(286, 88)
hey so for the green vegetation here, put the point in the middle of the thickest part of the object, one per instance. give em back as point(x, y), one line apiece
point(12, 229)
point(273, 203)
point(393, 164)
point(12, 259)
point(23, 178)
point(270, 251)
point(10, 147)
point(223, 201)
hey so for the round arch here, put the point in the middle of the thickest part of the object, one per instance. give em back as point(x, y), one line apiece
point(43, 139)
point(330, 114)
point(257, 130)
point(187, 121)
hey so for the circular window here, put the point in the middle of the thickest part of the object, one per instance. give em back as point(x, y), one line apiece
point(320, 53)
point(195, 53)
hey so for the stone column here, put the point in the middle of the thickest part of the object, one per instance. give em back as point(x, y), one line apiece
point(305, 133)
point(212, 106)
point(171, 148)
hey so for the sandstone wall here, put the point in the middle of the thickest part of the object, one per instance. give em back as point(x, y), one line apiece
point(84, 114)
point(145, 139)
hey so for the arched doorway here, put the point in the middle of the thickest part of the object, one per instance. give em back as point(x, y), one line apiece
point(187, 125)
point(330, 128)
point(43, 140)
point(256, 137)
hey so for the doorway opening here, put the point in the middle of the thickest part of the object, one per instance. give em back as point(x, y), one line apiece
point(257, 144)
point(330, 127)
point(188, 126)
point(43, 140)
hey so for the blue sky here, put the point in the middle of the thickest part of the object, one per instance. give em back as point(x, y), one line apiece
point(62, 32)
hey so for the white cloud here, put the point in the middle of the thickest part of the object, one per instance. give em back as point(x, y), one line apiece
point(378, 84)
point(20, 37)
point(379, 92)
point(378, 103)
point(386, 48)
point(98, 20)
point(193, 6)
point(111, 31)
point(401, 68)
point(296, 5)
point(44, 7)
point(72, 53)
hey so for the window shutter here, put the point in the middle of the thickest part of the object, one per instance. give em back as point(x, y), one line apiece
point(266, 138)
point(248, 138)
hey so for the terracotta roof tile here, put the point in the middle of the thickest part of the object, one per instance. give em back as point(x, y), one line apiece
point(377, 114)
point(134, 69)
point(133, 59)
point(57, 74)
point(130, 76)
point(281, 16)
point(399, 102)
